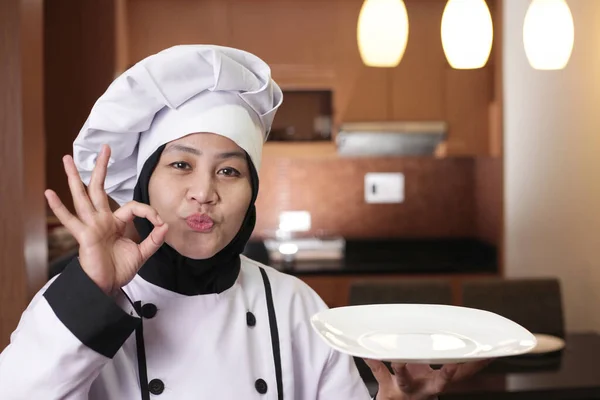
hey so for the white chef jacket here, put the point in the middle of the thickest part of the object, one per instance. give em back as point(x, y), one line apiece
point(74, 342)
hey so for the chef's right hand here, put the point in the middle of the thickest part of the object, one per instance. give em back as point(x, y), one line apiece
point(108, 257)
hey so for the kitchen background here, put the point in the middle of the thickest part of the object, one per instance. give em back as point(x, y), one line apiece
point(452, 196)
point(510, 191)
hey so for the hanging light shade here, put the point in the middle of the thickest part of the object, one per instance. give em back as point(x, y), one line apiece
point(548, 34)
point(382, 32)
point(467, 33)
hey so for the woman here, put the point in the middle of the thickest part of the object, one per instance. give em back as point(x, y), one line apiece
point(181, 315)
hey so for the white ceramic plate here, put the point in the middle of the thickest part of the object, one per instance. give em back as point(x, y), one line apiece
point(547, 344)
point(421, 333)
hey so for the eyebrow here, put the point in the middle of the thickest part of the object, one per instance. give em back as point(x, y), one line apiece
point(184, 149)
point(232, 154)
point(194, 151)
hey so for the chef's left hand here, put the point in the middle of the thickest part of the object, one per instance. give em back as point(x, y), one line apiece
point(418, 381)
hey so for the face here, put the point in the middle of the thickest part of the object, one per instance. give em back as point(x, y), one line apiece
point(201, 188)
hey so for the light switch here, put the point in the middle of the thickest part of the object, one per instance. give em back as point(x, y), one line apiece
point(384, 187)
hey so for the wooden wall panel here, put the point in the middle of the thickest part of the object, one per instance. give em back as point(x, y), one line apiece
point(497, 132)
point(154, 25)
point(468, 94)
point(362, 93)
point(21, 172)
point(121, 36)
point(489, 171)
point(34, 141)
point(286, 31)
point(497, 140)
point(13, 278)
point(80, 61)
point(62, 91)
point(98, 55)
point(488, 199)
point(417, 83)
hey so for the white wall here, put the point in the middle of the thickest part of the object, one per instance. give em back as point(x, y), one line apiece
point(552, 163)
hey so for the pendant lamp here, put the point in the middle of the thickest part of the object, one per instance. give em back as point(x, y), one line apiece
point(548, 34)
point(467, 33)
point(382, 32)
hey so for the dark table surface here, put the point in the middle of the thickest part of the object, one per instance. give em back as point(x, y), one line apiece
point(383, 256)
point(572, 374)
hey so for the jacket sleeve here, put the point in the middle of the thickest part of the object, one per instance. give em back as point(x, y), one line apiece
point(69, 331)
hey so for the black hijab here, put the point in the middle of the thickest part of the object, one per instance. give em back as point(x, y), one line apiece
point(171, 270)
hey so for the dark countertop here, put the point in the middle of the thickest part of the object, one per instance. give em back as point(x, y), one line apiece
point(571, 374)
point(384, 256)
point(567, 375)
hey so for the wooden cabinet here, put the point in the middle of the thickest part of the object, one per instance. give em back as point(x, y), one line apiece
point(335, 289)
point(468, 98)
point(311, 44)
point(362, 94)
point(153, 25)
point(417, 83)
point(288, 32)
point(422, 87)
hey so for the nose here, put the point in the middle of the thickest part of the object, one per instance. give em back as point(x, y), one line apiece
point(202, 189)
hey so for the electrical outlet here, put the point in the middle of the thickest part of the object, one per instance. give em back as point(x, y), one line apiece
point(384, 187)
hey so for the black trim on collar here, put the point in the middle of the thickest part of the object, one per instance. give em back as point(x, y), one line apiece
point(92, 316)
point(274, 333)
point(141, 355)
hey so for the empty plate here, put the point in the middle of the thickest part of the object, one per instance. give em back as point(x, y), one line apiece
point(421, 333)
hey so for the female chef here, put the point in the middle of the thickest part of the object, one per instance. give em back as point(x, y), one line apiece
point(176, 141)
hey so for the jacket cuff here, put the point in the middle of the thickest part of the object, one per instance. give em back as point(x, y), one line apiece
point(91, 315)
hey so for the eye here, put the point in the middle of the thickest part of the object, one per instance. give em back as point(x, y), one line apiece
point(182, 165)
point(229, 172)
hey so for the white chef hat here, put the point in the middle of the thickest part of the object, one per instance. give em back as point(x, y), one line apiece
point(176, 92)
